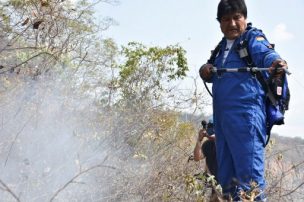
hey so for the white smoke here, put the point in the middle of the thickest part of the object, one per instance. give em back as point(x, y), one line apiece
point(55, 145)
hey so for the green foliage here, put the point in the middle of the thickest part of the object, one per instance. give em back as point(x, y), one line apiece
point(201, 185)
point(145, 71)
point(170, 60)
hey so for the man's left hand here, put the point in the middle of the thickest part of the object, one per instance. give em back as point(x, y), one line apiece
point(278, 64)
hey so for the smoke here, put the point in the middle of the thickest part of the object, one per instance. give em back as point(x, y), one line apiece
point(57, 145)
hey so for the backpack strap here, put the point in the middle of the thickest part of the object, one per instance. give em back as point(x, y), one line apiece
point(244, 54)
point(214, 53)
point(273, 102)
point(266, 87)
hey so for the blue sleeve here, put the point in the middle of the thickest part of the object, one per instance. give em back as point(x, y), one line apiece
point(261, 51)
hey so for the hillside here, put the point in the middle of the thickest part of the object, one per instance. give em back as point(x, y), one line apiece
point(285, 168)
point(292, 149)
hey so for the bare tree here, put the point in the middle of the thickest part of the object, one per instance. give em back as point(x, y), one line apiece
point(45, 35)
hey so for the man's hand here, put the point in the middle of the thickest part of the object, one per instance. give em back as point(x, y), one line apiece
point(205, 72)
point(201, 134)
point(278, 64)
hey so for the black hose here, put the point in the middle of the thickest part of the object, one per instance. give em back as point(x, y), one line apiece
point(207, 89)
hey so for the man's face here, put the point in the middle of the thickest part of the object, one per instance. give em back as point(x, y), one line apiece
point(233, 25)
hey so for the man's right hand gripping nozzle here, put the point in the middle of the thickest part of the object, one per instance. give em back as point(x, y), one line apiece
point(206, 72)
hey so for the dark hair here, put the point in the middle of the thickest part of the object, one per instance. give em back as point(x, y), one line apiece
point(226, 7)
point(208, 149)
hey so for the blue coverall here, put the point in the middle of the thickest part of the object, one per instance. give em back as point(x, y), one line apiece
point(240, 117)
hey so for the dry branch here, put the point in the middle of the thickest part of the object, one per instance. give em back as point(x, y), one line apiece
point(6, 188)
point(72, 180)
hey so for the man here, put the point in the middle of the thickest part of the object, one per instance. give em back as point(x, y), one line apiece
point(239, 102)
point(206, 149)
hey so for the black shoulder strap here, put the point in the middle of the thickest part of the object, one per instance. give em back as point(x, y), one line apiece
point(266, 87)
point(214, 53)
point(243, 46)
